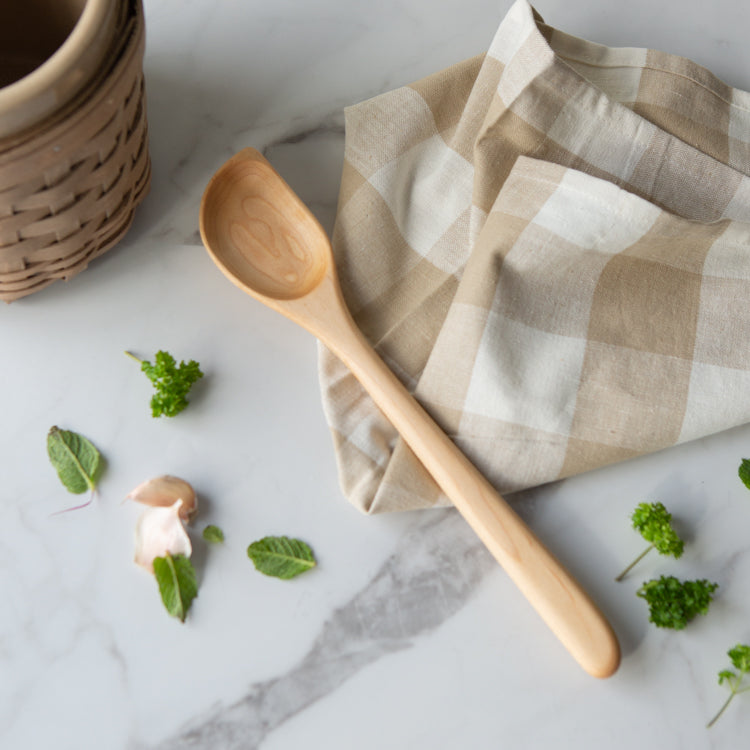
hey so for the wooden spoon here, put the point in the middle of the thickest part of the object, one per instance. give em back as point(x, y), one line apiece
point(267, 242)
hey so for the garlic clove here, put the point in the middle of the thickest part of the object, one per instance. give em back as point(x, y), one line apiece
point(164, 491)
point(159, 531)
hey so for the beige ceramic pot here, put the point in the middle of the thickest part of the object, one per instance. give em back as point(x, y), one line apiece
point(49, 50)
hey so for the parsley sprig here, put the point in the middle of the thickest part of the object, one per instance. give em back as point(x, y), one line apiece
point(654, 523)
point(673, 603)
point(740, 656)
point(172, 383)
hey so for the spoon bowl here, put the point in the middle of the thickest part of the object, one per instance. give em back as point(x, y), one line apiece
point(274, 249)
point(266, 242)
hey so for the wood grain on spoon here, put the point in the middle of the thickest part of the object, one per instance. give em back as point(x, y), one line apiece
point(267, 242)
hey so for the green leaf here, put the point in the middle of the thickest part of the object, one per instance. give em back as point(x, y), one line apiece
point(726, 675)
point(654, 523)
point(740, 656)
point(673, 603)
point(213, 534)
point(77, 461)
point(177, 583)
point(281, 557)
point(744, 472)
point(172, 383)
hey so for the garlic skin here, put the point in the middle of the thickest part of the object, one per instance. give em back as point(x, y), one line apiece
point(159, 531)
point(164, 491)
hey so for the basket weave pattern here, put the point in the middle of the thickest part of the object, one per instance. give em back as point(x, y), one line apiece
point(69, 188)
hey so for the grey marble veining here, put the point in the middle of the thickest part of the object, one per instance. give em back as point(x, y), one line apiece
point(431, 574)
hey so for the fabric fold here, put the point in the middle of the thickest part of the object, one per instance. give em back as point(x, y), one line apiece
point(548, 244)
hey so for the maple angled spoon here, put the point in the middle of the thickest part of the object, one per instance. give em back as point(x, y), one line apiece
point(266, 241)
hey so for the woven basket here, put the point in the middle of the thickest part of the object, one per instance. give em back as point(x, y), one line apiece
point(70, 185)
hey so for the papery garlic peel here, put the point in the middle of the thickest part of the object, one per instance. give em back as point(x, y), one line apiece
point(164, 491)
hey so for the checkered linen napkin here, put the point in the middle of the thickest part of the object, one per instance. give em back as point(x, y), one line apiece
point(547, 244)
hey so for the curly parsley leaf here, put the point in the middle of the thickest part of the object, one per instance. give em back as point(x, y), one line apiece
point(281, 557)
point(213, 534)
point(673, 603)
point(171, 382)
point(654, 523)
point(178, 584)
point(740, 656)
point(744, 472)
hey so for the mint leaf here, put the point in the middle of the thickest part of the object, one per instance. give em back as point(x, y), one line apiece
point(213, 534)
point(178, 585)
point(77, 461)
point(744, 472)
point(281, 557)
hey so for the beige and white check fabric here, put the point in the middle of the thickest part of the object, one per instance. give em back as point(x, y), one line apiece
point(550, 245)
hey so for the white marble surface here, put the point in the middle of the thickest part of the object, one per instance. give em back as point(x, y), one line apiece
point(407, 635)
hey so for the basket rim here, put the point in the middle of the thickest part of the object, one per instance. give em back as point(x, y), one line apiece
point(57, 80)
point(107, 124)
point(71, 124)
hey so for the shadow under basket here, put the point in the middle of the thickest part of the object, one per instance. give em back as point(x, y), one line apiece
point(70, 185)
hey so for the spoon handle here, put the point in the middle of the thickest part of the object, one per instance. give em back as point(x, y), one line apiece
point(550, 589)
